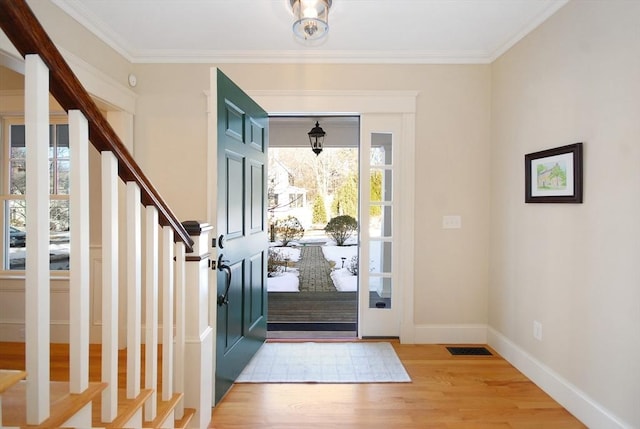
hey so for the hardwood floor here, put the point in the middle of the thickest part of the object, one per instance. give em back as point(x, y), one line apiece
point(447, 392)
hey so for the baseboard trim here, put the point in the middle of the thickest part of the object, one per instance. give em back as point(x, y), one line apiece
point(451, 334)
point(566, 394)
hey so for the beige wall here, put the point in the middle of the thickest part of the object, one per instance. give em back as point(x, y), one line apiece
point(574, 268)
point(67, 34)
point(452, 159)
point(452, 150)
point(571, 267)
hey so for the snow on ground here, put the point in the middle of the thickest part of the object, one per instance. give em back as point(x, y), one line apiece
point(285, 282)
point(291, 253)
point(344, 281)
point(336, 253)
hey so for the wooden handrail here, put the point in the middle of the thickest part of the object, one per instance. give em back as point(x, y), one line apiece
point(29, 37)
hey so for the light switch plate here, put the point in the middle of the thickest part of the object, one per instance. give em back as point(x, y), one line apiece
point(451, 222)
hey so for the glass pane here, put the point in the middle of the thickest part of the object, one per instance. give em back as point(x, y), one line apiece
point(62, 185)
point(17, 141)
point(380, 257)
point(380, 292)
point(51, 177)
point(380, 221)
point(381, 185)
point(59, 235)
point(381, 145)
point(52, 141)
point(62, 141)
point(18, 177)
point(16, 235)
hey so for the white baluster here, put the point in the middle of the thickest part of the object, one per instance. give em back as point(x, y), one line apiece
point(37, 276)
point(151, 312)
point(79, 259)
point(134, 289)
point(109, 286)
point(180, 325)
point(167, 313)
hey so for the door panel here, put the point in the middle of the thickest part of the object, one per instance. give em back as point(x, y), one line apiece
point(258, 287)
point(257, 197)
point(235, 195)
point(242, 138)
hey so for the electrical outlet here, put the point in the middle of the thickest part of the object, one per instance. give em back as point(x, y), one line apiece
point(21, 333)
point(537, 330)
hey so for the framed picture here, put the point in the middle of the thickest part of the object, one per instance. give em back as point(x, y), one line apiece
point(554, 175)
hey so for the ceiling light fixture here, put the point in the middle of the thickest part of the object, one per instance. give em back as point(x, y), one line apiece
point(316, 138)
point(311, 18)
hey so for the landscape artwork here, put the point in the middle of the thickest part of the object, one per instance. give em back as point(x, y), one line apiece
point(554, 175)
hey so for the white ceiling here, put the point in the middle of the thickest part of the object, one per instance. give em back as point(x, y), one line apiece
point(361, 31)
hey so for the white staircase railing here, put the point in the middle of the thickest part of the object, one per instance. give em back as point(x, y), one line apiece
point(86, 121)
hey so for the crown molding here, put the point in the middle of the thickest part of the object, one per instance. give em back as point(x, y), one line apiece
point(532, 25)
point(83, 15)
point(80, 13)
point(311, 57)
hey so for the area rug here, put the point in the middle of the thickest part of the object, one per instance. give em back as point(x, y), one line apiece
point(359, 362)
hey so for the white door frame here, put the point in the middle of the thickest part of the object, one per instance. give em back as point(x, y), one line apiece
point(367, 104)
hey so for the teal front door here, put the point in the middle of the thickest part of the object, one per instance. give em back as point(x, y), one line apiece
point(242, 136)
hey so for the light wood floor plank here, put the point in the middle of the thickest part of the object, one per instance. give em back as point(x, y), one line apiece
point(447, 392)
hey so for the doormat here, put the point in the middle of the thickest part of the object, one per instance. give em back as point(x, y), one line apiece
point(469, 351)
point(344, 362)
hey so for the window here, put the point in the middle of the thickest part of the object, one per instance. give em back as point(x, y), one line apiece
point(14, 213)
point(296, 200)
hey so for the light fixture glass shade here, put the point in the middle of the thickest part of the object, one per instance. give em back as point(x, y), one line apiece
point(311, 18)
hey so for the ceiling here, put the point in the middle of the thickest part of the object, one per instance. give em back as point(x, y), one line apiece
point(361, 31)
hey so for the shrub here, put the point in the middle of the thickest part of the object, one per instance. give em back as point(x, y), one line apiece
point(275, 263)
point(340, 228)
point(319, 210)
point(345, 199)
point(288, 229)
point(352, 266)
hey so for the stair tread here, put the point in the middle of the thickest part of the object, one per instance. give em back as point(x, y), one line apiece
point(186, 418)
point(127, 408)
point(163, 410)
point(64, 404)
point(9, 377)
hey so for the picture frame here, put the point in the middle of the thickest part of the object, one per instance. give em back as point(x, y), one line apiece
point(554, 175)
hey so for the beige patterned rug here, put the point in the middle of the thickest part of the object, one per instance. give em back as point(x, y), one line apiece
point(341, 362)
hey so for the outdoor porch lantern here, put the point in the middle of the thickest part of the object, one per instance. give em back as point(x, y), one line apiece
point(311, 18)
point(316, 138)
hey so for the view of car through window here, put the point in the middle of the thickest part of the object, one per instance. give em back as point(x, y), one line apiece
point(17, 238)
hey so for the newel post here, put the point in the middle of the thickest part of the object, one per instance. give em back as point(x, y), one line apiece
point(199, 335)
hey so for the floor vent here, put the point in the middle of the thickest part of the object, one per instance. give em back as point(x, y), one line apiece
point(469, 351)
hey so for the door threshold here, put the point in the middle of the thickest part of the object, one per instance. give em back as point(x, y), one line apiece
point(312, 335)
point(311, 326)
